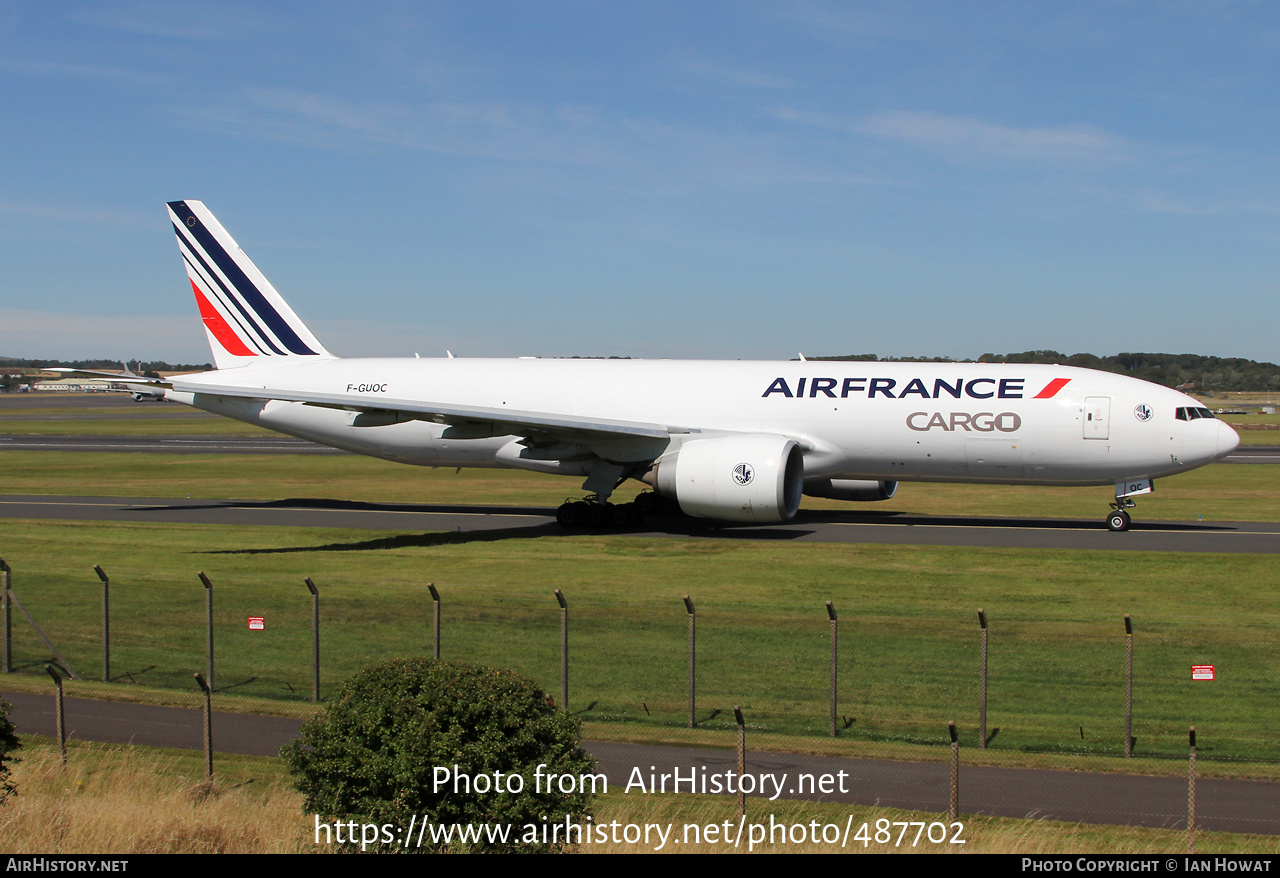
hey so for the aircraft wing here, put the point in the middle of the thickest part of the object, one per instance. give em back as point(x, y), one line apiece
point(119, 377)
point(504, 421)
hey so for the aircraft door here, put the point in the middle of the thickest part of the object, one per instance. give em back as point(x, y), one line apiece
point(1097, 417)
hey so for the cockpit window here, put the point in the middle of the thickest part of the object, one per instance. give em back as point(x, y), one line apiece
point(1192, 413)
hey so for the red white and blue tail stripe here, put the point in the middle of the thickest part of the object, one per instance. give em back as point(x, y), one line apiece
point(243, 314)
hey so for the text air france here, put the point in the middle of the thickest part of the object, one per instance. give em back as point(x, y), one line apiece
point(938, 388)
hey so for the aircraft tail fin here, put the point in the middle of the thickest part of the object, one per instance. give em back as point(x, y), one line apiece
point(244, 317)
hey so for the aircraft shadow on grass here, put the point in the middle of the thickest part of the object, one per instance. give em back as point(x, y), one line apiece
point(666, 525)
point(526, 532)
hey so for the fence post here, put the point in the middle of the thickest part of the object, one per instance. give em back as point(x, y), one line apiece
point(315, 638)
point(953, 807)
point(1191, 796)
point(564, 649)
point(106, 625)
point(208, 725)
point(831, 613)
point(1128, 685)
point(435, 621)
point(6, 580)
point(982, 690)
point(742, 759)
point(61, 717)
point(688, 605)
point(208, 625)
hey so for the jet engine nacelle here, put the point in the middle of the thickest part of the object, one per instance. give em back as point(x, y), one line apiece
point(756, 478)
point(857, 490)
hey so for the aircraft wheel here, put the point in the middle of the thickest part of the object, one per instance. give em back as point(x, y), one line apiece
point(646, 502)
point(1118, 521)
point(570, 515)
point(623, 516)
point(595, 514)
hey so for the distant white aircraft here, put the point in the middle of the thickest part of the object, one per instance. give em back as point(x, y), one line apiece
point(140, 389)
point(737, 441)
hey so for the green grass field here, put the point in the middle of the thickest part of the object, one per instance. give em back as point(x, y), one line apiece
point(909, 635)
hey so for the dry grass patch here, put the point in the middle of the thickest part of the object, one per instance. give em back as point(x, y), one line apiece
point(127, 801)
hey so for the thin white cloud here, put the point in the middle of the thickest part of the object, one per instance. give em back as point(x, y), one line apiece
point(956, 133)
point(493, 130)
point(737, 76)
point(85, 71)
point(80, 215)
point(963, 138)
point(567, 134)
point(1161, 201)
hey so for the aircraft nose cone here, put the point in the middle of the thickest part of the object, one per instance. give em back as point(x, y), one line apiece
point(1228, 439)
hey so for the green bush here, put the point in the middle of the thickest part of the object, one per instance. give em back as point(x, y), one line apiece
point(8, 743)
point(374, 759)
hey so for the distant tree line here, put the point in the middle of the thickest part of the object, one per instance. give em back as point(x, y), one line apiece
point(109, 365)
point(1203, 374)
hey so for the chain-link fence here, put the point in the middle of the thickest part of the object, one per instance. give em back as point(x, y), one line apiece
point(1052, 685)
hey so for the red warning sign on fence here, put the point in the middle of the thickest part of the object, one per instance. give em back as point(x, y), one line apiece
point(257, 623)
point(1202, 672)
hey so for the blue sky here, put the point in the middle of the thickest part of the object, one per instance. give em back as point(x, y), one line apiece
point(729, 180)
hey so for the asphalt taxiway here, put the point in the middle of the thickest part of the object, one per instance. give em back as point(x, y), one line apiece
point(435, 522)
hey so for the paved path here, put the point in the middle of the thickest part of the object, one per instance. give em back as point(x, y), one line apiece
point(1224, 805)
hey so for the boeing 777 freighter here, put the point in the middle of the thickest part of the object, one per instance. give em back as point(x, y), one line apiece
point(728, 440)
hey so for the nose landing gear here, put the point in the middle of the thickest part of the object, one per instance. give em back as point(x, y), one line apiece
point(1119, 519)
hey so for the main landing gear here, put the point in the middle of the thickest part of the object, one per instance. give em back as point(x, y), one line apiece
point(593, 512)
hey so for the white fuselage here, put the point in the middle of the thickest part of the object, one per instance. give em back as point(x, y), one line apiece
point(962, 422)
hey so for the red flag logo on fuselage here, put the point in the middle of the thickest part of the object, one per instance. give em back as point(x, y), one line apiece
point(1051, 389)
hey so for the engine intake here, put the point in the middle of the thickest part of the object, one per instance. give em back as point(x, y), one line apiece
point(757, 478)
